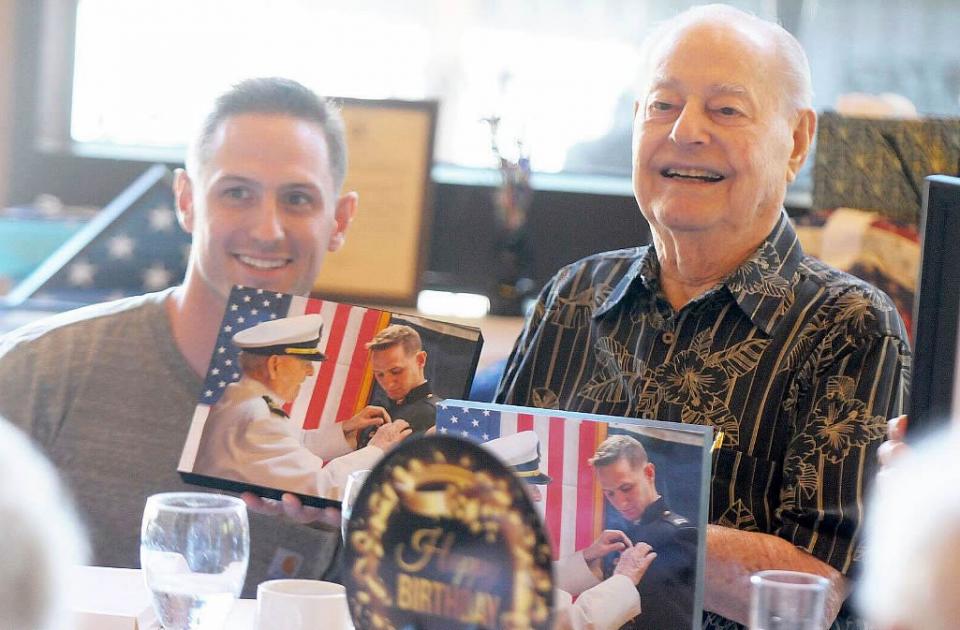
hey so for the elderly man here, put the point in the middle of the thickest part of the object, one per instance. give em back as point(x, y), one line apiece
point(398, 359)
point(723, 320)
point(247, 437)
point(109, 390)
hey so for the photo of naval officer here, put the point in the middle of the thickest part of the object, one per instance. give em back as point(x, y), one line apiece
point(628, 480)
point(248, 437)
point(602, 605)
point(398, 361)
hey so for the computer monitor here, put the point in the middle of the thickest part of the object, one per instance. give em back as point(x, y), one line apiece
point(937, 307)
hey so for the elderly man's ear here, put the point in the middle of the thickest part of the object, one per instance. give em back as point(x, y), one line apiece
point(345, 212)
point(803, 130)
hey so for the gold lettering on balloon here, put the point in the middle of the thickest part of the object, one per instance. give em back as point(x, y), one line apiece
point(424, 545)
point(467, 606)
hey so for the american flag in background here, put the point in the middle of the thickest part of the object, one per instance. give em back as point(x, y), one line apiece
point(573, 510)
point(133, 246)
point(339, 386)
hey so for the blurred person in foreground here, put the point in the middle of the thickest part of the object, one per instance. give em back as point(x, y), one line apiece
point(109, 390)
point(724, 320)
point(42, 539)
point(911, 566)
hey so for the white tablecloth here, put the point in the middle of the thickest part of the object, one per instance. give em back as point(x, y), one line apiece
point(104, 598)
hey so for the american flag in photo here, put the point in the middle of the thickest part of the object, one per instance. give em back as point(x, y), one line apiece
point(573, 510)
point(339, 386)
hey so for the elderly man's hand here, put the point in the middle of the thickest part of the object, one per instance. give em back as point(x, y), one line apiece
point(609, 541)
point(391, 434)
point(371, 415)
point(635, 561)
point(895, 446)
point(291, 507)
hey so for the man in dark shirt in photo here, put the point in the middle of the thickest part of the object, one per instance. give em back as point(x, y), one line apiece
point(628, 480)
point(398, 360)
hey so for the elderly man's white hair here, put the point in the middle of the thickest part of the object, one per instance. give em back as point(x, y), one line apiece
point(911, 568)
point(40, 534)
point(794, 66)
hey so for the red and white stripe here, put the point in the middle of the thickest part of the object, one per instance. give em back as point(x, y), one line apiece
point(571, 511)
point(332, 393)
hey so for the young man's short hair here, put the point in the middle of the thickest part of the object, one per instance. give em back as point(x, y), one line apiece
point(396, 334)
point(279, 96)
point(618, 447)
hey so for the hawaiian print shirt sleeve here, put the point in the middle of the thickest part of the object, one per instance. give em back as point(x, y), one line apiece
point(846, 389)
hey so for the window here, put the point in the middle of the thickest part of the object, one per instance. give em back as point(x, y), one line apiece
point(559, 73)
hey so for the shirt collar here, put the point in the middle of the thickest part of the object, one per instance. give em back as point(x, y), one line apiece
point(646, 268)
point(761, 286)
point(253, 388)
point(654, 511)
point(420, 391)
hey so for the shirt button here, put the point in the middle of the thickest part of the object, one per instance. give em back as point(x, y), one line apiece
point(668, 337)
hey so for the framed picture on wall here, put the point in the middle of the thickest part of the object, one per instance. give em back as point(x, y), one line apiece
point(390, 149)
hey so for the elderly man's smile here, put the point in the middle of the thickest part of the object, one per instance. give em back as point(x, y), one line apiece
point(692, 174)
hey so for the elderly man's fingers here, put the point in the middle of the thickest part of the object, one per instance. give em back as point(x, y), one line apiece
point(371, 415)
point(390, 434)
point(609, 541)
point(376, 412)
point(614, 536)
point(635, 561)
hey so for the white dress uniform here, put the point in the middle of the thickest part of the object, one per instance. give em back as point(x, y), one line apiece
point(245, 440)
point(248, 438)
point(600, 605)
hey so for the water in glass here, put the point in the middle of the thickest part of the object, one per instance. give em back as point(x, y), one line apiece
point(194, 549)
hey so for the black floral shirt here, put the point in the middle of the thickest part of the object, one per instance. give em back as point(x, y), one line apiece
point(798, 364)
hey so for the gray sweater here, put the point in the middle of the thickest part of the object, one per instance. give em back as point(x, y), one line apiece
point(106, 393)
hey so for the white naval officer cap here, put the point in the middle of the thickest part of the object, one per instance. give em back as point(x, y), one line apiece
point(521, 451)
point(297, 336)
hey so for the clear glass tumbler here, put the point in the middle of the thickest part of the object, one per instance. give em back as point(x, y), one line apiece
point(194, 548)
point(787, 600)
point(355, 481)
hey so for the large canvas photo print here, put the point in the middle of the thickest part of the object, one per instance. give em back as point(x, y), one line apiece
point(598, 481)
point(297, 388)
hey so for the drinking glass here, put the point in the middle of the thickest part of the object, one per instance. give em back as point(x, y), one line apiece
point(194, 548)
point(787, 600)
point(355, 481)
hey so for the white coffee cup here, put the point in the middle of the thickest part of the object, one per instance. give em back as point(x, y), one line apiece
point(302, 605)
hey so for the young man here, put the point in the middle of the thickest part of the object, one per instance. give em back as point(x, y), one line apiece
point(628, 480)
point(109, 390)
point(398, 359)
